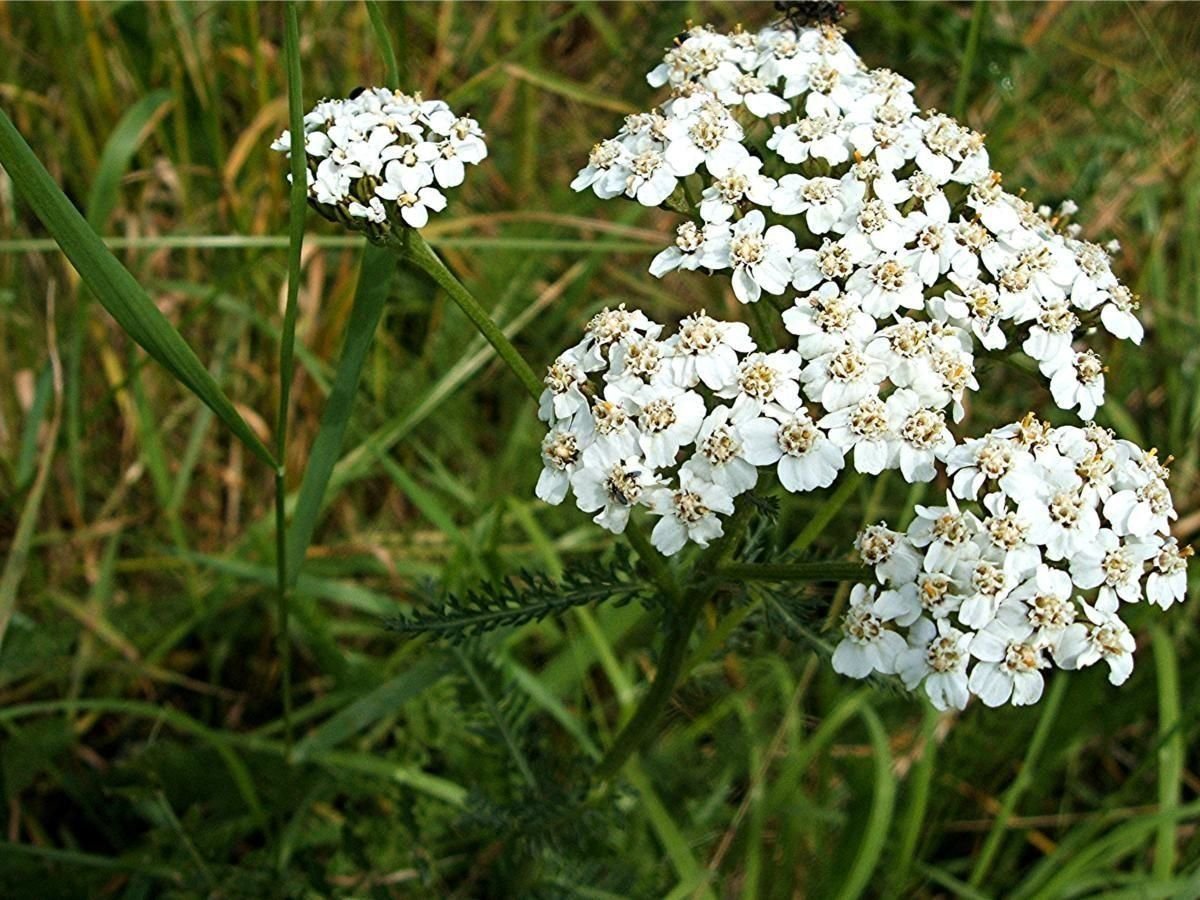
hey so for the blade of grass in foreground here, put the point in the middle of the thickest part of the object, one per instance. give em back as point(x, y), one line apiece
point(112, 284)
point(287, 348)
point(374, 282)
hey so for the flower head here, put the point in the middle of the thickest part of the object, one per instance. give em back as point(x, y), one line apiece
point(378, 161)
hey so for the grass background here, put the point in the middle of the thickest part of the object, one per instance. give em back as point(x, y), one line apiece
point(141, 745)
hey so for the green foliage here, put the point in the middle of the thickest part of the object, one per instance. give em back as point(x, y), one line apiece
point(529, 596)
point(142, 747)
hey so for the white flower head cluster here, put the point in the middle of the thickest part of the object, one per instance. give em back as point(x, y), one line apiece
point(896, 259)
point(679, 424)
point(378, 160)
point(820, 183)
point(1047, 534)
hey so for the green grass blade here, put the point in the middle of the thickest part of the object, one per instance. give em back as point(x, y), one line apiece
point(1029, 765)
point(124, 141)
point(296, 212)
point(1171, 752)
point(112, 284)
point(374, 282)
point(384, 40)
point(374, 705)
point(879, 821)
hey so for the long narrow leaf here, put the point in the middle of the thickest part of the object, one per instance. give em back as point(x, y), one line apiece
point(374, 282)
point(124, 141)
point(112, 284)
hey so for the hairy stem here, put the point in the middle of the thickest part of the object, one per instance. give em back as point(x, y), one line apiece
point(421, 255)
point(817, 570)
point(670, 665)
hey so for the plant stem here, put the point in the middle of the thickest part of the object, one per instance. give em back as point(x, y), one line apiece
point(419, 253)
point(287, 349)
point(283, 598)
point(670, 664)
point(818, 570)
point(674, 652)
point(655, 562)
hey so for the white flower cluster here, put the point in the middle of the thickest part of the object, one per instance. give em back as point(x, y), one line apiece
point(801, 169)
point(678, 424)
point(377, 160)
point(895, 258)
point(1045, 535)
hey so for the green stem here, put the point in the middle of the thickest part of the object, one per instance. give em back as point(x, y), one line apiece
point(819, 570)
point(283, 643)
point(287, 350)
point(1171, 753)
point(419, 253)
point(670, 666)
point(968, 63)
point(660, 570)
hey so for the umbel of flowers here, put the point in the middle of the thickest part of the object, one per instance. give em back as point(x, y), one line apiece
point(896, 258)
point(378, 160)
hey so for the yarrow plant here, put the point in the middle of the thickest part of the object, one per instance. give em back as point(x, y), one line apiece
point(887, 246)
point(378, 160)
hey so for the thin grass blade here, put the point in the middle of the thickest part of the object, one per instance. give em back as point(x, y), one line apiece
point(116, 289)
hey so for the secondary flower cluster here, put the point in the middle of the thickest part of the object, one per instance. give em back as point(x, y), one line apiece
point(679, 425)
point(801, 170)
point(376, 161)
point(1045, 535)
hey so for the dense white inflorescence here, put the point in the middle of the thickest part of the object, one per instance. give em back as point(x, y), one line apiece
point(819, 183)
point(1046, 535)
point(679, 424)
point(895, 257)
point(379, 160)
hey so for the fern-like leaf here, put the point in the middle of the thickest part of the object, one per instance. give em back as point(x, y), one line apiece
point(526, 597)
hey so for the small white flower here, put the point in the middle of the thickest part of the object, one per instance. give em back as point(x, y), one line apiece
point(561, 456)
point(1117, 315)
point(864, 429)
point(823, 201)
point(922, 432)
point(806, 458)
point(694, 246)
point(612, 485)
point(1105, 638)
point(601, 161)
point(734, 87)
point(767, 380)
point(644, 176)
point(868, 645)
point(1080, 384)
point(937, 657)
point(706, 350)
point(563, 396)
point(886, 286)
point(1045, 601)
point(945, 532)
point(669, 418)
point(818, 137)
point(761, 257)
point(1167, 583)
point(721, 450)
point(827, 320)
point(713, 138)
point(1010, 663)
point(689, 513)
point(1062, 517)
point(742, 184)
point(1114, 566)
point(410, 191)
point(890, 553)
